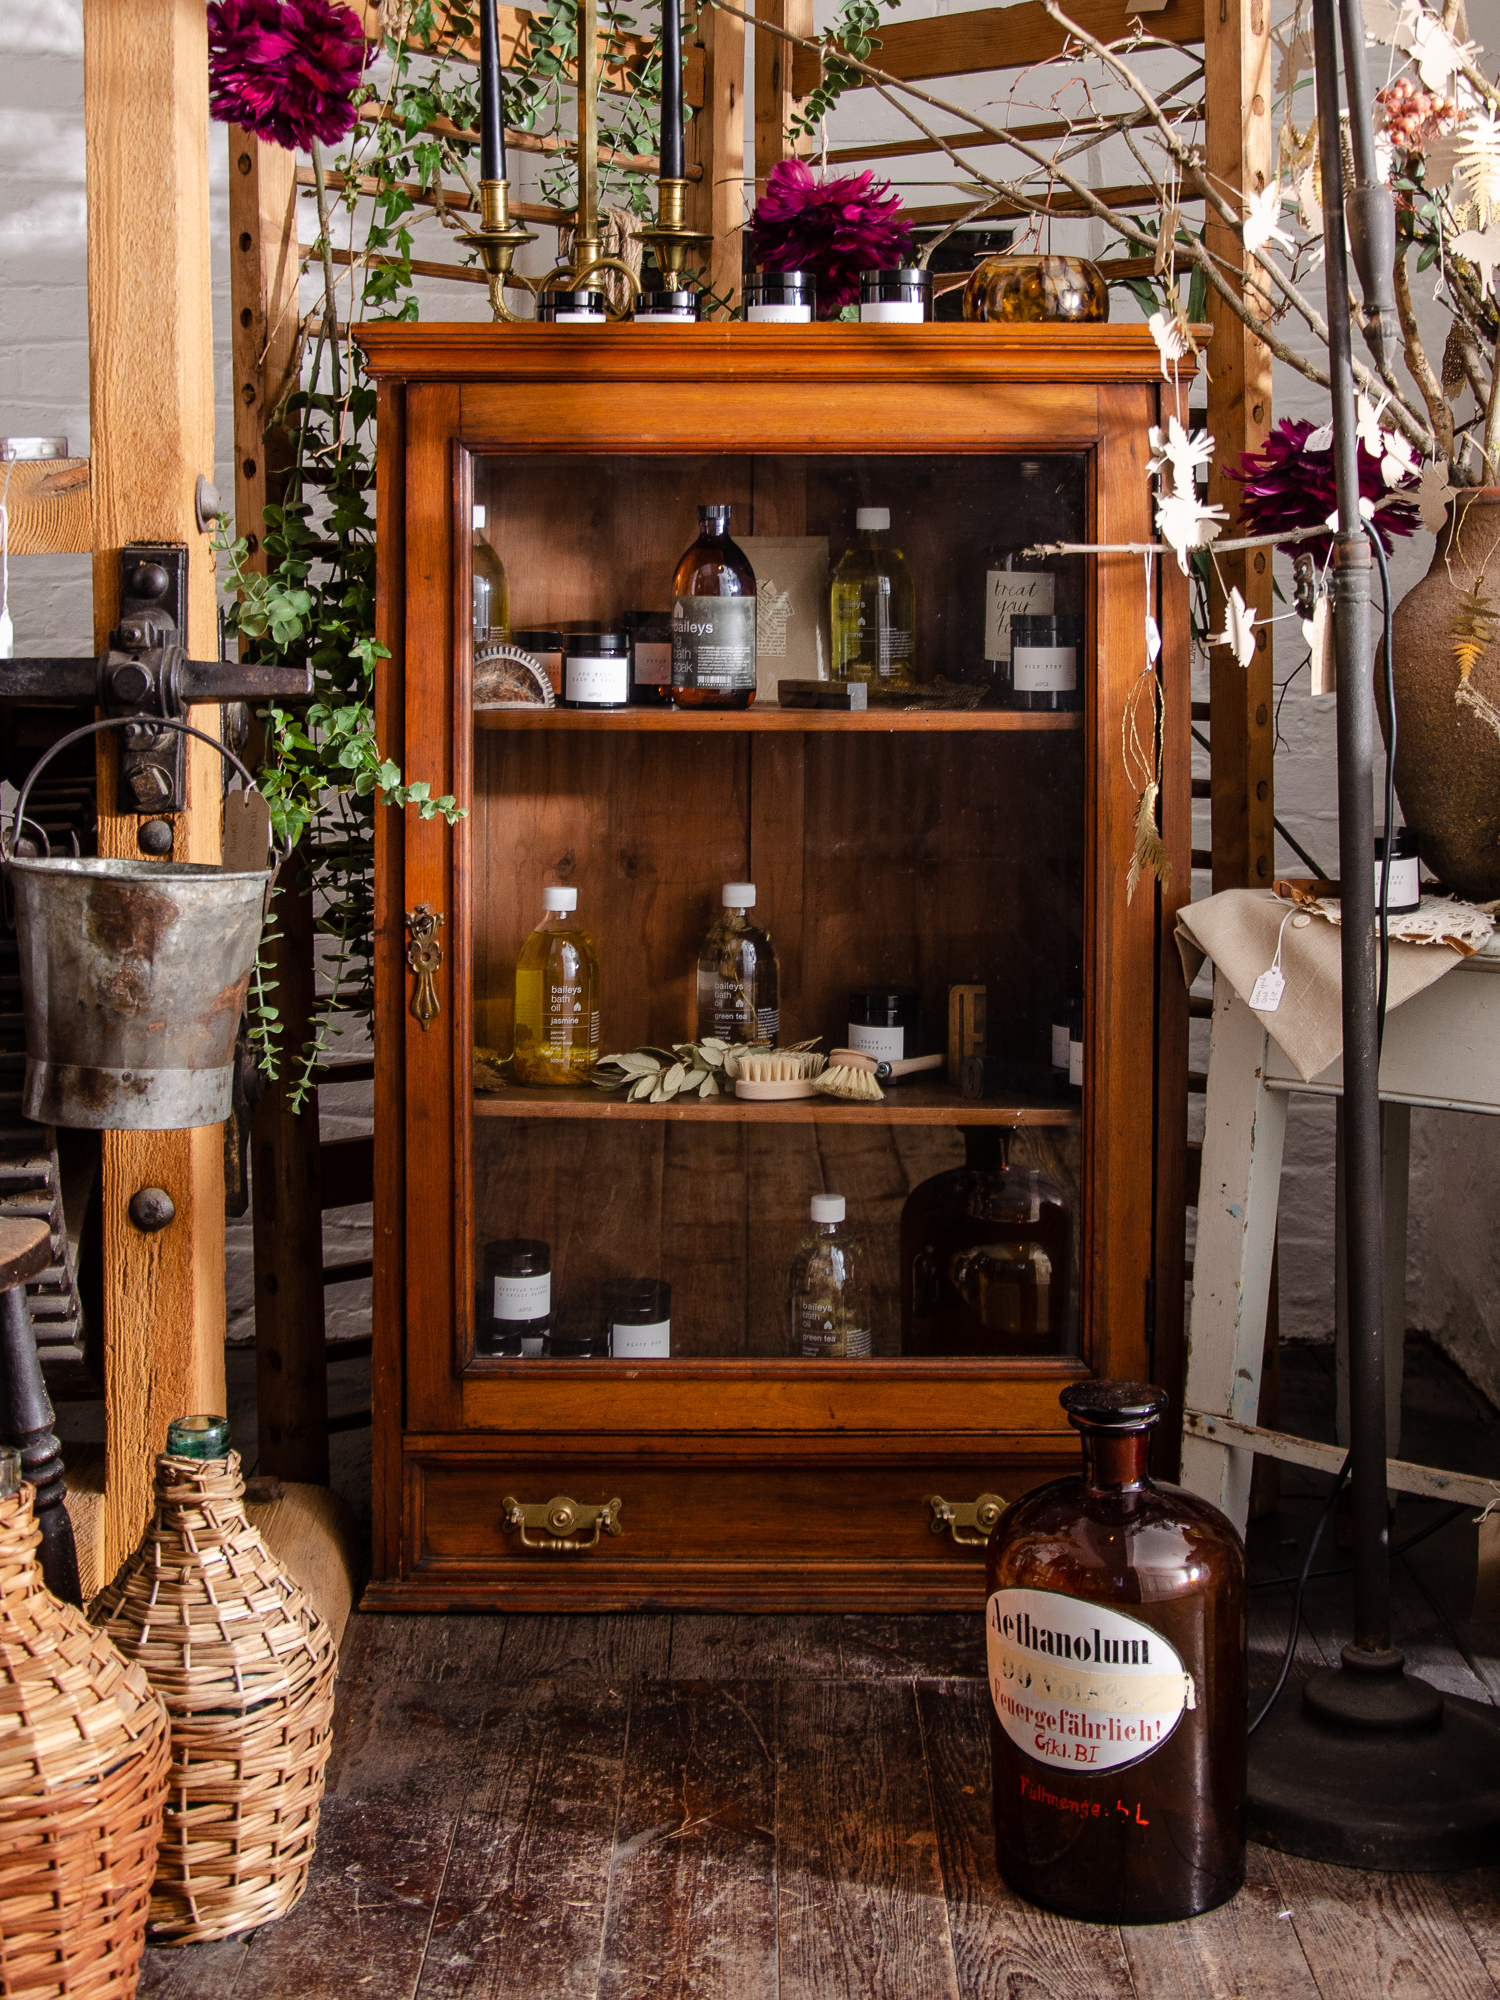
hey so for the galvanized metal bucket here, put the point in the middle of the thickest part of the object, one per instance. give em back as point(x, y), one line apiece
point(133, 975)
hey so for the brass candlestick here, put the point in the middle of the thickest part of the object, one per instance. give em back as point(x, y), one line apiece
point(497, 239)
point(586, 259)
point(670, 238)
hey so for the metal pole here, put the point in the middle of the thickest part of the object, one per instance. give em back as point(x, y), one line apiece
point(1356, 741)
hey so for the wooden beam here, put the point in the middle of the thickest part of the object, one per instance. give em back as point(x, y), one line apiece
point(454, 199)
point(616, 51)
point(47, 506)
point(773, 82)
point(967, 139)
point(1401, 1475)
point(151, 393)
point(715, 142)
point(1001, 38)
point(1061, 202)
point(1238, 147)
point(515, 141)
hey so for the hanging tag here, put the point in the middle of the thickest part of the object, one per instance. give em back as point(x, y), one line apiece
point(7, 636)
point(1319, 633)
point(1265, 994)
point(1153, 639)
point(1487, 1571)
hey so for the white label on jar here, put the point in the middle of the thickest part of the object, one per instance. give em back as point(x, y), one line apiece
point(642, 1343)
point(531, 1347)
point(1406, 883)
point(1045, 669)
point(653, 662)
point(1075, 1062)
point(578, 319)
point(664, 319)
point(1059, 1045)
point(1078, 1686)
point(780, 315)
point(593, 679)
point(892, 312)
point(523, 1298)
point(1013, 593)
point(889, 1044)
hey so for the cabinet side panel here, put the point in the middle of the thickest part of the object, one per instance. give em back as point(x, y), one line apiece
point(1120, 1083)
point(389, 1292)
point(436, 1119)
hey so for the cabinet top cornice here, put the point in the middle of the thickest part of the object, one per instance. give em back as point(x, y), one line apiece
point(730, 351)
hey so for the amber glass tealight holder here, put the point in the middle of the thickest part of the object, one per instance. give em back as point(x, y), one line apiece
point(1035, 289)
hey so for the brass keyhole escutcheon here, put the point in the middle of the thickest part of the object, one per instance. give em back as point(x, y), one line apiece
point(424, 955)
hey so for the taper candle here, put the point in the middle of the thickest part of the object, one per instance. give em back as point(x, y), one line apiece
point(670, 142)
point(491, 97)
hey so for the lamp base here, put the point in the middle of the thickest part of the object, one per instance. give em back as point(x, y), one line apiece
point(1422, 1798)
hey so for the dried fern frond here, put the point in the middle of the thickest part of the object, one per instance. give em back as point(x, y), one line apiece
point(1150, 855)
point(1475, 623)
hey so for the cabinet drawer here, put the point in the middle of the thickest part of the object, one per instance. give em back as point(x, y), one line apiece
point(769, 1532)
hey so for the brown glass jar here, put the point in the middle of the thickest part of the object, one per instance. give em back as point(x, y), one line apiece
point(1115, 1633)
point(986, 1257)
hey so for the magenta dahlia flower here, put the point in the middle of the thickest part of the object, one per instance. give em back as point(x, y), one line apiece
point(1287, 486)
point(287, 70)
point(836, 229)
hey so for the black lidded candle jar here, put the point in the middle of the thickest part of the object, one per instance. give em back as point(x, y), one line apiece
point(1115, 1640)
point(665, 309)
point(596, 670)
point(650, 658)
point(1405, 888)
point(576, 308)
point(515, 1299)
point(1042, 672)
point(638, 1319)
point(781, 296)
point(883, 1021)
point(900, 297)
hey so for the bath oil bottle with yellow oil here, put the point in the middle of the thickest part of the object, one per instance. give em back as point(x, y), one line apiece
point(557, 997)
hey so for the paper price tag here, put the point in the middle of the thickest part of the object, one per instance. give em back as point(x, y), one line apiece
point(1265, 995)
point(1153, 639)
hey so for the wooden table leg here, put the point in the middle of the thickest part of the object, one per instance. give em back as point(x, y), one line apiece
point(1243, 1132)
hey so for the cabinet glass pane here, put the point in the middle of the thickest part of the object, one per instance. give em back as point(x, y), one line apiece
point(925, 848)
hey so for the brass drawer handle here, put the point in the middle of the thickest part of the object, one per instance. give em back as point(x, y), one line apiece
point(958, 1515)
point(424, 955)
point(562, 1521)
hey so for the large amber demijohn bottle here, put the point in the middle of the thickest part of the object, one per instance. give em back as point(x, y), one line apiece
point(1115, 1634)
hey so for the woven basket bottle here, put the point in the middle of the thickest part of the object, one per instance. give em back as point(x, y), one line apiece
point(245, 1668)
point(83, 1774)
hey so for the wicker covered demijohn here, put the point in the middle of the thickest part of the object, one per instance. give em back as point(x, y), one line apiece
point(245, 1668)
point(83, 1772)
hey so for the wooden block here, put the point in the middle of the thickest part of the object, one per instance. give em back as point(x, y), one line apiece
point(312, 1531)
point(967, 1032)
point(50, 512)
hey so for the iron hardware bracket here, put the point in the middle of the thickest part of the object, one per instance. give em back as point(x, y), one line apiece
point(144, 677)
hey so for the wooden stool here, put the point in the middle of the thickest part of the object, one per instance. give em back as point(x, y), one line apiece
point(26, 1416)
point(1442, 1048)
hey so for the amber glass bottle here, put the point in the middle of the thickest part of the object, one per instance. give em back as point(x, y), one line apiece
point(713, 618)
point(1115, 1634)
point(986, 1256)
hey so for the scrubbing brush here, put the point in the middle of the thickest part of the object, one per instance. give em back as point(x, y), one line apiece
point(857, 1077)
point(777, 1073)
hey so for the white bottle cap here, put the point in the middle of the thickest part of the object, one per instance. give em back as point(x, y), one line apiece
point(739, 895)
point(559, 899)
point(828, 1208)
point(479, 518)
point(872, 517)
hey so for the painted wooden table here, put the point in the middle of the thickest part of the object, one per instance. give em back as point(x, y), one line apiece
point(1442, 1049)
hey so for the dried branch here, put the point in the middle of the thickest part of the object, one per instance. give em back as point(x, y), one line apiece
point(1416, 360)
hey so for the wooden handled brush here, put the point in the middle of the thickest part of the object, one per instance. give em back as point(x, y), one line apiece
point(858, 1077)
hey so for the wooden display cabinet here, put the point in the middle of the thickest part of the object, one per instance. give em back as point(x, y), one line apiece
point(931, 846)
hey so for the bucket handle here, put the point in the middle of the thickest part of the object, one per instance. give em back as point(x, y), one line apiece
point(122, 722)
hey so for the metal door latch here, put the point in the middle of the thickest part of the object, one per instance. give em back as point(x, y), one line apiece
point(563, 1523)
point(969, 1522)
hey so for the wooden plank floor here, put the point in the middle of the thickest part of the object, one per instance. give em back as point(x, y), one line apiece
point(797, 1808)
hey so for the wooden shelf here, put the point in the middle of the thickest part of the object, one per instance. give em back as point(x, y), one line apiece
point(906, 1103)
point(925, 721)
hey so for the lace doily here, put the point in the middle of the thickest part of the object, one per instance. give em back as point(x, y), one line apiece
point(1436, 920)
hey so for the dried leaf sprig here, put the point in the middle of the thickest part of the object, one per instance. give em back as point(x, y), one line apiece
point(702, 1069)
